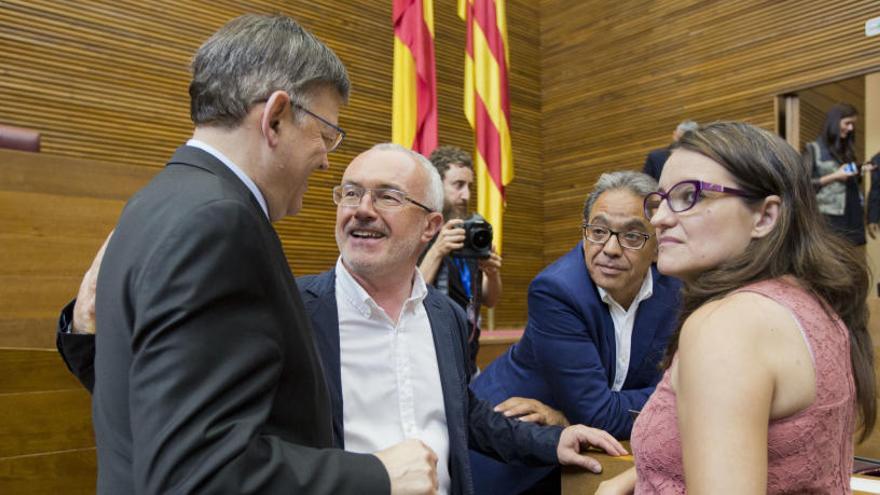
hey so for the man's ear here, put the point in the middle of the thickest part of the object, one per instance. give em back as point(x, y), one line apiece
point(766, 216)
point(433, 223)
point(277, 106)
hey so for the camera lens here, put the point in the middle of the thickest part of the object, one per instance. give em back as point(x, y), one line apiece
point(481, 239)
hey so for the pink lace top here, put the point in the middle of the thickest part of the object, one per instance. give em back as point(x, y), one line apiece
point(808, 452)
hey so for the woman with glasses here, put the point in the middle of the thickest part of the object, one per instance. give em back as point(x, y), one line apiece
point(771, 367)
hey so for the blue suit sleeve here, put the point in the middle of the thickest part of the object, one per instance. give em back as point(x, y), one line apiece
point(564, 345)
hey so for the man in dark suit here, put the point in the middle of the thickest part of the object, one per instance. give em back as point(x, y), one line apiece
point(657, 158)
point(206, 374)
point(395, 350)
point(874, 199)
point(599, 321)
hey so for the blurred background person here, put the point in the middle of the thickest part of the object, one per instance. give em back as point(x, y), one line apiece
point(656, 158)
point(874, 198)
point(831, 158)
point(454, 275)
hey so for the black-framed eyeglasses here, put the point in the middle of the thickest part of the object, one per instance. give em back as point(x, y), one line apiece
point(331, 140)
point(600, 234)
point(686, 194)
point(384, 198)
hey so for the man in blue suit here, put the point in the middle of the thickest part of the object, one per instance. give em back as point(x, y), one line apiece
point(599, 321)
point(394, 350)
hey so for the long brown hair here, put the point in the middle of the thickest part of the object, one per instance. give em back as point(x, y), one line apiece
point(800, 245)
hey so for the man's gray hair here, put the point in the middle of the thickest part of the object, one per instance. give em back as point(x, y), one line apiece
point(635, 182)
point(687, 125)
point(251, 57)
point(435, 183)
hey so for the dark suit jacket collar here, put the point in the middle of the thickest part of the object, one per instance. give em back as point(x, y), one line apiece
point(320, 300)
point(197, 157)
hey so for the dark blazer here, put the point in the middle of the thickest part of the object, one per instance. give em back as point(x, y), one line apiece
point(567, 355)
point(207, 377)
point(655, 161)
point(471, 422)
point(874, 194)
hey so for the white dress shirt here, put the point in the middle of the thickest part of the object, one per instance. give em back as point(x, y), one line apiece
point(391, 386)
point(195, 143)
point(624, 320)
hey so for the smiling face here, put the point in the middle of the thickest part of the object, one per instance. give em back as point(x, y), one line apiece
point(377, 243)
point(618, 270)
point(715, 230)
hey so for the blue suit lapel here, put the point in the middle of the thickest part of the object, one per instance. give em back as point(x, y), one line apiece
point(590, 303)
point(319, 297)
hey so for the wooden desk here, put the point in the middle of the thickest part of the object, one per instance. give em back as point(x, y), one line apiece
point(577, 481)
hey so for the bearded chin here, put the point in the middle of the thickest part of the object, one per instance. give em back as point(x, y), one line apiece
point(451, 211)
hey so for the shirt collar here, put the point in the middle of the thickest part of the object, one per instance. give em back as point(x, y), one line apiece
point(195, 143)
point(645, 291)
point(358, 297)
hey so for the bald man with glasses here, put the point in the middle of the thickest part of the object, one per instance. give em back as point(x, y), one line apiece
point(599, 321)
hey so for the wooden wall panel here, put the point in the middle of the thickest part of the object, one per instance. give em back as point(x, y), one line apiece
point(618, 76)
point(46, 439)
point(51, 225)
point(107, 80)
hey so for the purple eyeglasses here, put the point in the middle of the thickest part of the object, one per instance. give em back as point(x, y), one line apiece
point(687, 193)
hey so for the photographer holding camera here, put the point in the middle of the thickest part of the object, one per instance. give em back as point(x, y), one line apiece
point(461, 258)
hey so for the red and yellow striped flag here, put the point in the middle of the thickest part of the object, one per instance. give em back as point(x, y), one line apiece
point(486, 104)
point(414, 98)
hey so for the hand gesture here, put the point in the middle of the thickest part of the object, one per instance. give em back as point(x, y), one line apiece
point(532, 411)
point(412, 468)
point(578, 438)
point(492, 265)
point(842, 174)
point(450, 237)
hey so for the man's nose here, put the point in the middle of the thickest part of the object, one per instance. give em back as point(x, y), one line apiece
point(365, 207)
point(612, 246)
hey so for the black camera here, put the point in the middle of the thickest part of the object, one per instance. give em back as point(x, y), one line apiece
point(477, 238)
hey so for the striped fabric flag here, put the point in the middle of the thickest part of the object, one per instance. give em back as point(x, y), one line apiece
point(414, 99)
point(486, 104)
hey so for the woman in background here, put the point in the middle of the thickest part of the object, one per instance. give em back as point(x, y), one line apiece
point(831, 158)
point(772, 358)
